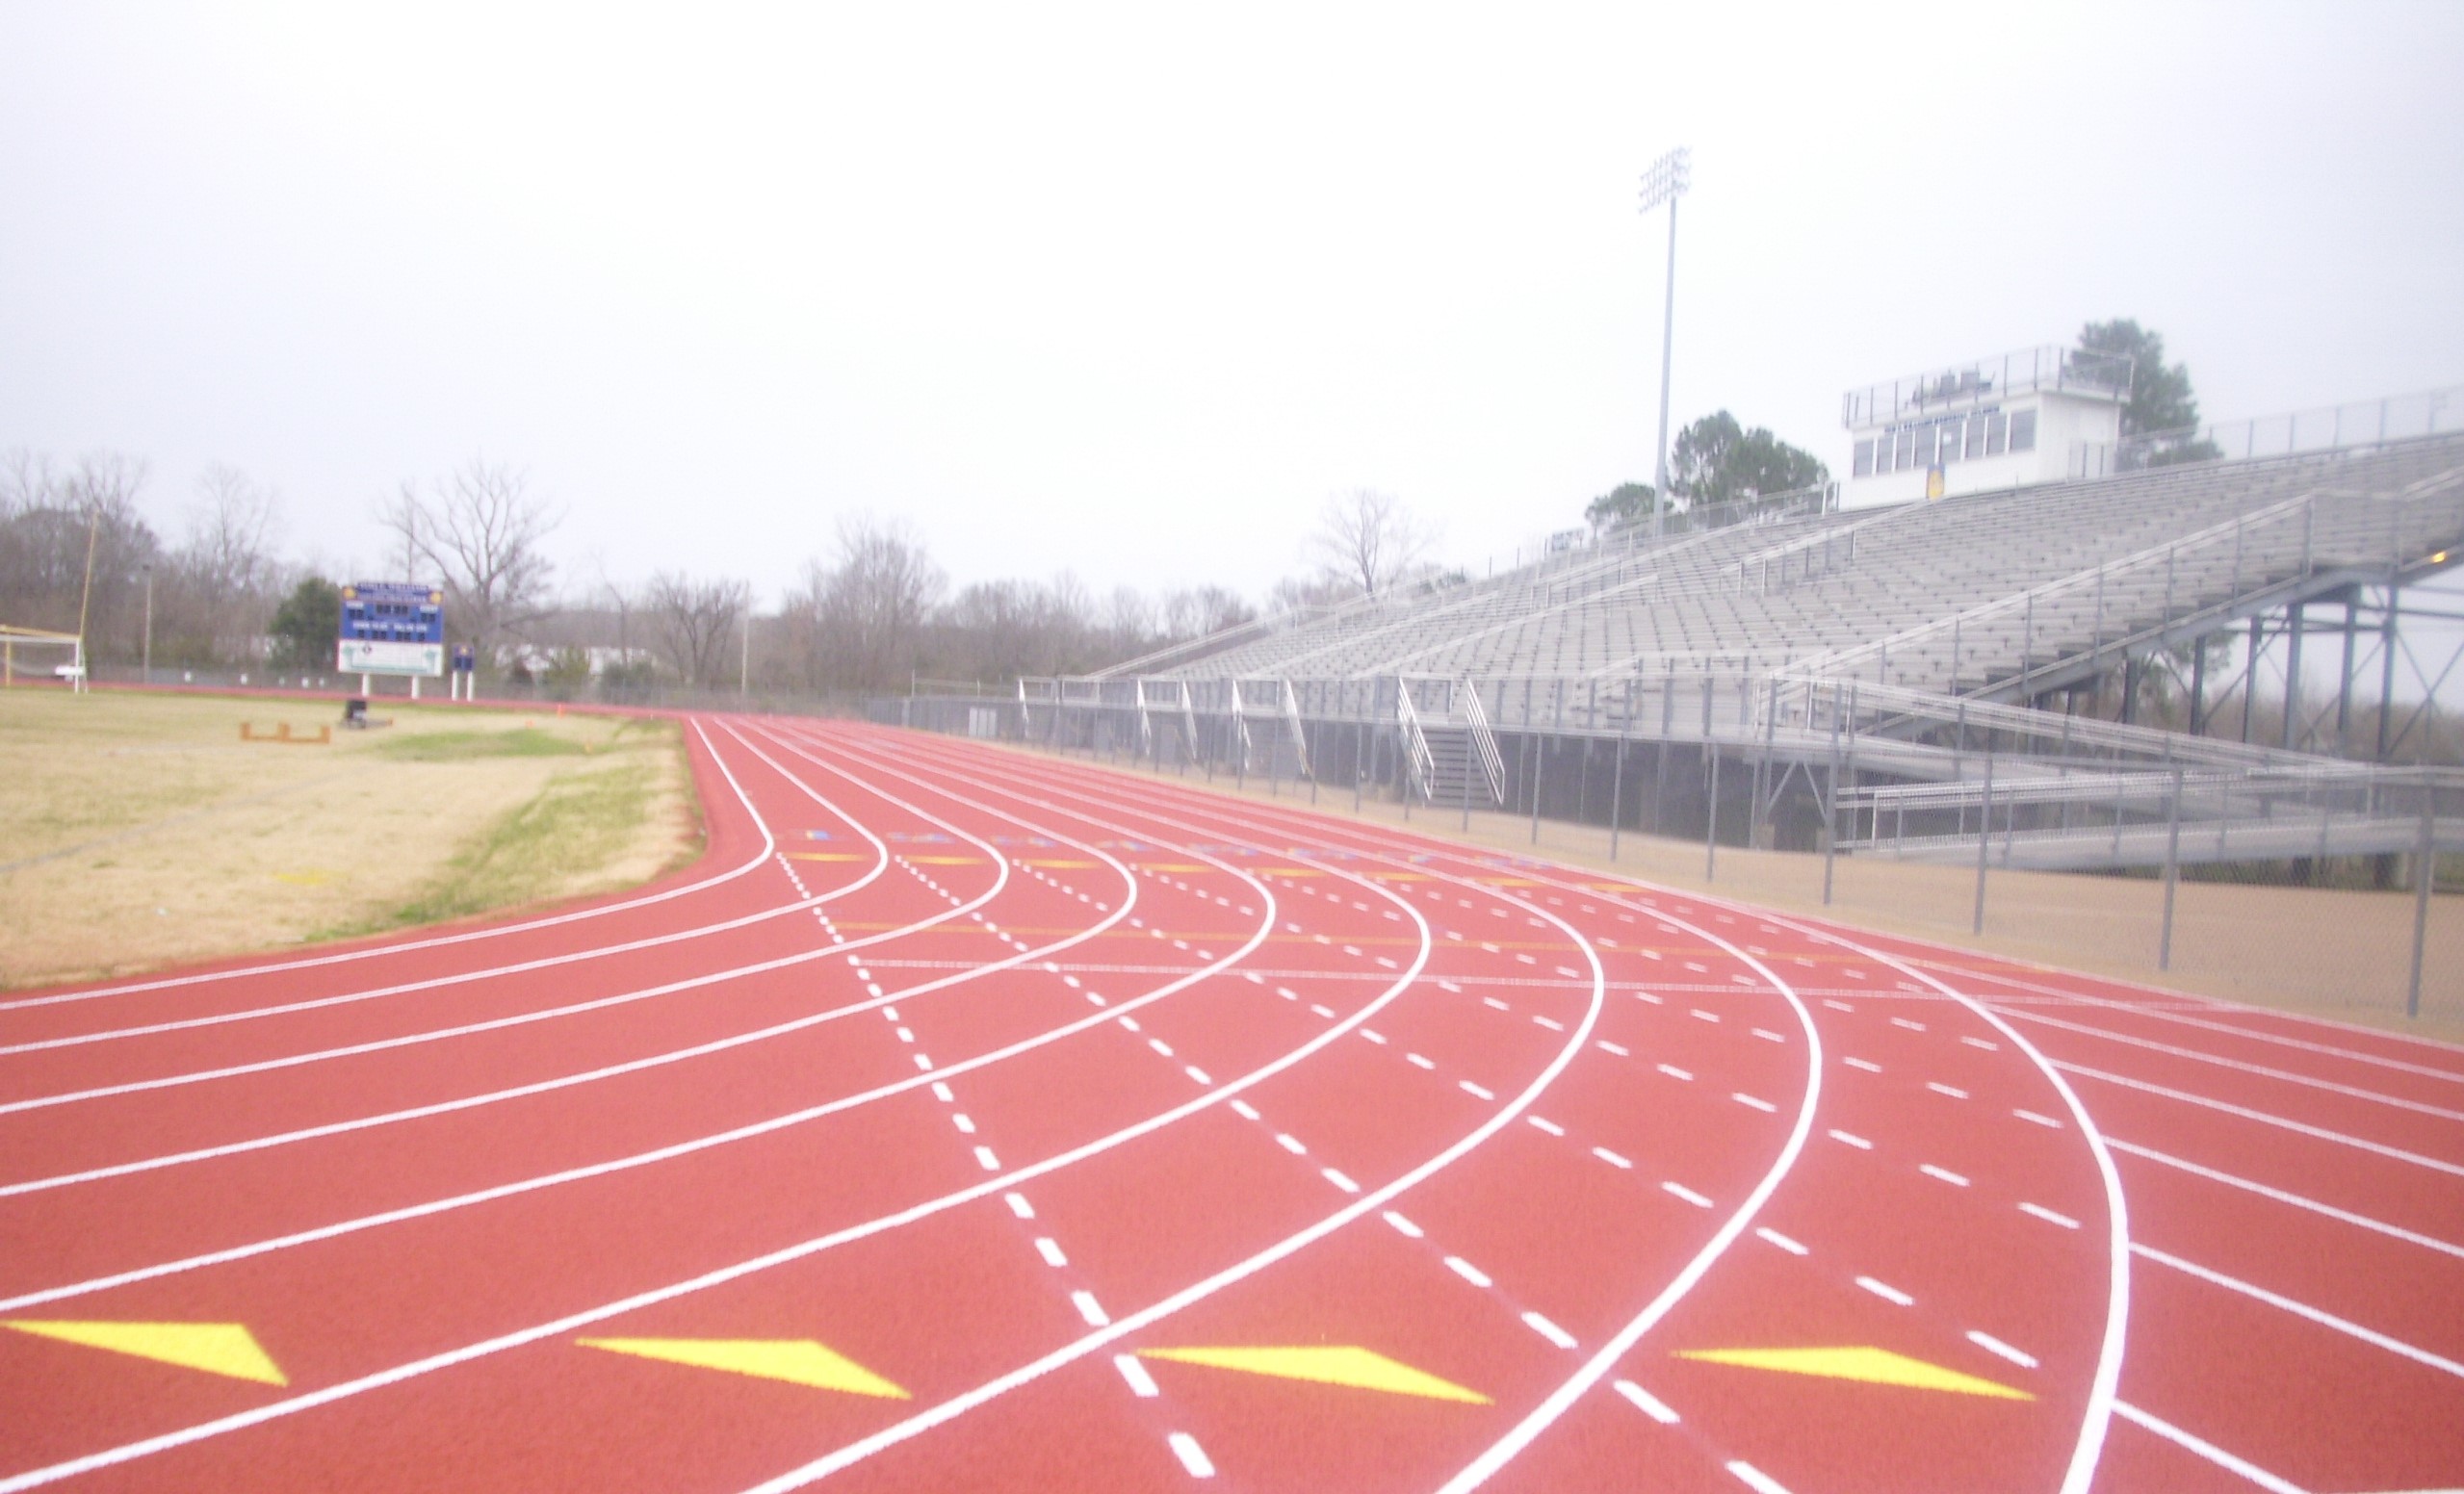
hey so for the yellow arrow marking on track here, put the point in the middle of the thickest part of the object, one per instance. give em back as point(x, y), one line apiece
point(1873, 1365)
point(1343, 1365)
point(799, 1361)
point(215, 1348)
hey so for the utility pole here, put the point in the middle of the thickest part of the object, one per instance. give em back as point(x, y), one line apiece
point(147, 663)
point(84, 654)
point(1665, 182)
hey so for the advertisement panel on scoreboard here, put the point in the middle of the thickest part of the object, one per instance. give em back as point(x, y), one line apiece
point(391, 628)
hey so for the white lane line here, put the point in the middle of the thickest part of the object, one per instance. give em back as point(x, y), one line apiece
point(2434, 1164)
point(2033, 1118)
point(923, 1062)
point(1403, 1227)
point(2328, 1320)
point(1476, 1089)
point(1851, 1139)
point(1468, 1270)
point(1193, 1457)
point(1769, 1036)
point(1198, 1075)
point(1050, 1250)
point(965, 1123)
point(1912, 1027)
point(1681, 1191)
point(1141, 1383)
point(2049, 1216)
point(1418, 1062)
point(2295, 1200)
point(1838, 1006)
point(1860, 1063)
point(1551, 1025)
point(1994, 1346)
point(1612, 1158)
point(1335, 1177)
point(1378, 1038)
point(1493, 1001)
point(990, 1163)
point(1288, 1143)
point(1775, 1237)
point(1887, 1291)
point(2284, 1075)
point(1939, 1088)
point(1548, 1330)
point(904, 1034)
point(1702, 1015)
point(1754, 1478)
point(1751, 1103)
point(1019, 1206)
point(1611, 1047)
point(1942, 1174)
point(1322, 1011)
point(1979, 1042)
point(2221, 1458)
point(1244, 1109)
point(1089, 1308)
point(941, 1092)
point(1550, 1126)
point(1160, 1047)
point(1673, 1071)
point(1644, 1402)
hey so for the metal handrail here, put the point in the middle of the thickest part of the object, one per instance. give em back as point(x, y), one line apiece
point(1493, 763)
point(1415, 743)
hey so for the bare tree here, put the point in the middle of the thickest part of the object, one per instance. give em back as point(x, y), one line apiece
point(483, 531)
point(1368, 540)
point(695, 623)
point(864, 617)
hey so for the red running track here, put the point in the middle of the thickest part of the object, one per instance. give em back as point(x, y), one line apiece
point(969, 1119)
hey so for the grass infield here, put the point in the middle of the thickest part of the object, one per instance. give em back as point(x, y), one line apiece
point(139, 830)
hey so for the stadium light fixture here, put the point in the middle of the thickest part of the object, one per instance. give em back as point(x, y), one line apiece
point(1665, 182)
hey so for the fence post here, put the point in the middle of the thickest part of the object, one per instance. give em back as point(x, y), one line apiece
point(1539, 766)
point(2424, 873)
point(1711, 818)
point(1830, 801)
point(1984, 839)
point(1616, 778)
point(2172, 870)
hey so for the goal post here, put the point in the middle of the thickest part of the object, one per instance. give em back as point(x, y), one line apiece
point(13, 640)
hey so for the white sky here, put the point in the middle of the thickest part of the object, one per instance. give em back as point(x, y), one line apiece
point(1132, 292)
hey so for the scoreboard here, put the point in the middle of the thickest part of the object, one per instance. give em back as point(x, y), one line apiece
point(391, 628)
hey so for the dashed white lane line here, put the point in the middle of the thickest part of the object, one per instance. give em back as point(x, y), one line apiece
point(923, 1060)
point(1418, 1062)
point(941, 1092)
point(1335, 1177)
point(1858, 1062)
point(1751, 1103)
point(1910, 1026)
point(1019, 1206)
point(1468, 1270)
point(1839, 1006)
point(1755, 1478)
point(1548, 1330)
point(2035, 1119)
point(1403, 1227)
point(1050, 1250)
point(1374, 1036)
point(1193, 1457)
point(1290, 1144)
point(965, 1123)
point(1681, 1191)
point(1606, 1046)
point(1994, 1346)
point(984, 1157)
point(1493, 1001)
point(1198, 1075)
point(1887, 1291)
point(1141, 1383)
point(1673, 1071)
point(1851, 1139)
point(1769, 1036)
point(1952, 1089)
point(1644, 1402)
point(1775, 1237)
point(906, 1036)
point(1550, 1127)
point(1552, 1026)
point(1982, 1042)
point(1090, 1309)
point(1942, 1174)
point(1612, 1158)
point(1700, 1015)
point(1244, 1109)
point(1476, 1089)
point(2049, 1216)
point(1160, 1047)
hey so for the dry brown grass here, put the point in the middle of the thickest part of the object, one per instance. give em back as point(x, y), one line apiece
point(137, 830)
point(2340, 954)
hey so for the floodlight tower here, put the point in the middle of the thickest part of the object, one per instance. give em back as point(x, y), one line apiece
point(1665, 182)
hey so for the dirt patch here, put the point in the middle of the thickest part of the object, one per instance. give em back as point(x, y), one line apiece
point(140, 830)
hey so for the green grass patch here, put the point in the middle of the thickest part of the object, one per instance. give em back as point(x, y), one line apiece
point(527, 742)
point(580, 818)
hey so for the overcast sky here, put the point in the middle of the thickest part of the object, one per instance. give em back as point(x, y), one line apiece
point(1132, 292)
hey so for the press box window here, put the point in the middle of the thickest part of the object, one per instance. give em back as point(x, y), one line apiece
point(2023, 430)
point(1864, 458)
